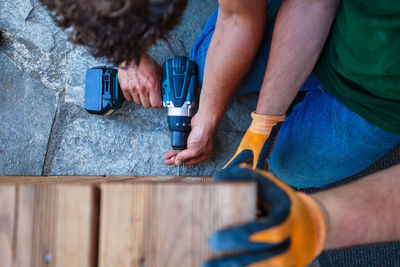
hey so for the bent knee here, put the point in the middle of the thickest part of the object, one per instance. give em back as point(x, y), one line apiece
point(300, 172)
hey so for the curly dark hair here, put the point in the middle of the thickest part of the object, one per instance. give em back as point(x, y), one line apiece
point(121, 30)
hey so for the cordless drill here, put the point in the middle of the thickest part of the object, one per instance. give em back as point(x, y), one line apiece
point(178, 94)
point(103, 95)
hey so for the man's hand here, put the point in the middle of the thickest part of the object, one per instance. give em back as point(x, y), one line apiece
point(141, 83)
point(256, 144)
point(292, 232)
point(200, 145)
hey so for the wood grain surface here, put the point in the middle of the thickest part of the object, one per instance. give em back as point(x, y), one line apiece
point(118, 221)
point(50, 225)
point(7, 218)
point(168, 224)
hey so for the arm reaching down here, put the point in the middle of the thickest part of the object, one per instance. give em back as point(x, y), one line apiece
point(300, 32)
point(238, 33)
point(301, 29)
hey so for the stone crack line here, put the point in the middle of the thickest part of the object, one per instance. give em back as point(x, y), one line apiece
point(49, 143)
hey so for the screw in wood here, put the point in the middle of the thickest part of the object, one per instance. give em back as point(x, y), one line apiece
point(47, 257)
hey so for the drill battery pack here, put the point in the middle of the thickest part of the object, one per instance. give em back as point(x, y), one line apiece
point(109, 98)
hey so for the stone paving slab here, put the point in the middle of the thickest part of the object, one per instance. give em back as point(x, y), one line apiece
point(27, 110)
point(194, 18)
point(91, 148)
point(132, 140)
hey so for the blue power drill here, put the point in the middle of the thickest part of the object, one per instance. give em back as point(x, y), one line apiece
point(178, 85)
point(103, 95)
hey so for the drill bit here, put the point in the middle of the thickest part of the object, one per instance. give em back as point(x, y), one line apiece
point(180, 169)
point(179, 166)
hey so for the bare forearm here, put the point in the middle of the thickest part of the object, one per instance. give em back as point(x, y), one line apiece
point(363, 212)
point(234, 44)
point(300, 32)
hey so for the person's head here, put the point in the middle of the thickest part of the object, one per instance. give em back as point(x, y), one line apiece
point(120, 30)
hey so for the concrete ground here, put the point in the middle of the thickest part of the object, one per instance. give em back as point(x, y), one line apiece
point(44, 129)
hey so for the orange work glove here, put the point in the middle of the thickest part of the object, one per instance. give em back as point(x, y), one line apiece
point(256, 145)
point(291, 233)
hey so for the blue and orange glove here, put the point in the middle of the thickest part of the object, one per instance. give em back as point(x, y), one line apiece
point(291, 234)
point(256, 144)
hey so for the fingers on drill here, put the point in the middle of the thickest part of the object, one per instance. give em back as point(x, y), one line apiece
point(126, 93)
point(155, 99)
point(170, 161)
point(136, 98)
point(191, 157)
point(123, 84)
point(144, 97)
point(154, 86)
point(193, 161)
point(170, 157)
point(196, 160)
point(150, 92)
point(169, 154)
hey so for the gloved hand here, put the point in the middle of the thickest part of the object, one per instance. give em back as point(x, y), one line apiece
point(256, 144)
point(292, 233)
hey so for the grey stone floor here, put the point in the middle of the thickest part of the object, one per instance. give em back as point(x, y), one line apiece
point(44, 129)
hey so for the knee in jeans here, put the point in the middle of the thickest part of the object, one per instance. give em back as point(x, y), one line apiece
point(292, 170)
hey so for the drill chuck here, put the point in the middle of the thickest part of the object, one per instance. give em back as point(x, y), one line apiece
point(180, 129)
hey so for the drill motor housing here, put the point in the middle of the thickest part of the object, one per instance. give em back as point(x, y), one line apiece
point(178, 87)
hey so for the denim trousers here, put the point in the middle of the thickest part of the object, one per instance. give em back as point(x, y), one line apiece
point(321, 141)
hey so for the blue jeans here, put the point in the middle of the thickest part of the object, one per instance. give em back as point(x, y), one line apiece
point(321, 141)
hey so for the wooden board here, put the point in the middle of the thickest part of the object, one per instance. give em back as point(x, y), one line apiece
point(7, 205)
point(90, 221)
point(168, 225)
point(97, 179)
point(52, 226)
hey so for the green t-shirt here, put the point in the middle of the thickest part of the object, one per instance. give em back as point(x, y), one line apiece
point(360, 64)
